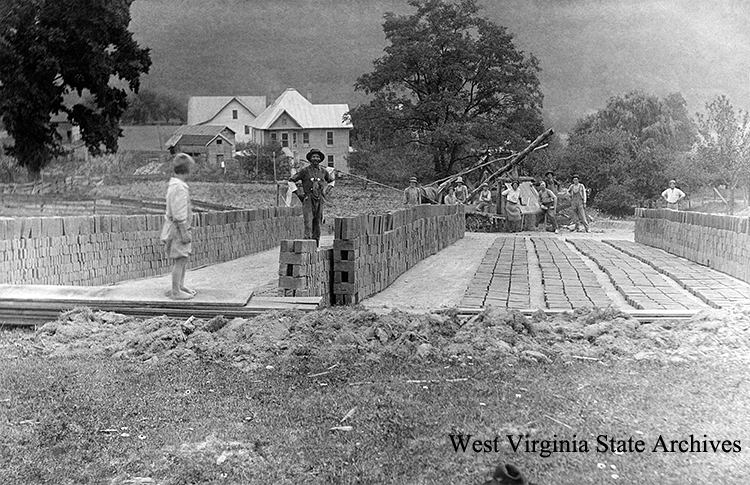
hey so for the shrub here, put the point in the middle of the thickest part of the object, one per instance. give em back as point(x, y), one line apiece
point(615, 200)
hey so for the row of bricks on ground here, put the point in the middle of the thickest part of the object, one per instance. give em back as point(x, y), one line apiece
point(679, 270)
point(688, 276)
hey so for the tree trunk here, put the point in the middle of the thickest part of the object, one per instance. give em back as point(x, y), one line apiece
point(33, 173)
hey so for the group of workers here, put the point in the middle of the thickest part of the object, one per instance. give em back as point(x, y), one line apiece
point(548, 190)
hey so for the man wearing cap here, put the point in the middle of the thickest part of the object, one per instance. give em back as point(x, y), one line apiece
point(411, 193)
point(485, 198)
point(316, 186)
point(551, 182)
point(462, 191)
point(673, 196)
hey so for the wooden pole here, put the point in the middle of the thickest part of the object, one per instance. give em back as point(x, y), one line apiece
point(516, 160)
point(275, 182)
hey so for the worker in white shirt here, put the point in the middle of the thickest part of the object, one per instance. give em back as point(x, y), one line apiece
point(673, 196)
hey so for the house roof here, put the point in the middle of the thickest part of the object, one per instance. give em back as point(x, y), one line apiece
point(306, 114)
point(202, 109)
point(197, 134)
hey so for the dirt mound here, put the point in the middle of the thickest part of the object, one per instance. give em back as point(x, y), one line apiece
point(333, 334)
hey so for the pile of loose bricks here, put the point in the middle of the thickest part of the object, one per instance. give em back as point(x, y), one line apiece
point(718, 241)
point(369, 252)
point(100, 250)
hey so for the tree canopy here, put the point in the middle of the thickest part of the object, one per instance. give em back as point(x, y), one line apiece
point(450, 82)
point(632, 143)
point(148, 107)
point(51, 48)
point(722, 151)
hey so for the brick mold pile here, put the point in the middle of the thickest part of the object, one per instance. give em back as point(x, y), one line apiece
point(305, 269)
point(100, 250)
point(718, 241)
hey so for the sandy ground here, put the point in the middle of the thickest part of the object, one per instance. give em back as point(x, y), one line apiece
point(246, 275)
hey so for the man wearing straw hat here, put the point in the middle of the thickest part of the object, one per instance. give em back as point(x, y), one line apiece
point(673, 196)
point(462, 191)
point(316, 185)
point(411, 193)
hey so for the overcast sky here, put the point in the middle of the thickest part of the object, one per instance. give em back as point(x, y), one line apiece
point(589, 50)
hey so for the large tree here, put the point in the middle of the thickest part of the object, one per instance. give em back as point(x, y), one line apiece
point(450, 82)
point(51, 48)
point(722, 153)
point(631, 143)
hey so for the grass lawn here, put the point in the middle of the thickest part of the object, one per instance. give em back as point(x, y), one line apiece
point(79, 420)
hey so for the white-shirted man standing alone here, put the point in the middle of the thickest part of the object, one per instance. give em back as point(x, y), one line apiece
point(673, 196)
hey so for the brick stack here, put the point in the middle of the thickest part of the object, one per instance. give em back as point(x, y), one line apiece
point(105, 249)
point(371, 251)
point(305, 269)
point(717, 241)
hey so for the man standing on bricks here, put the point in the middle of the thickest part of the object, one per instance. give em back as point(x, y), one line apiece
point(315, 187)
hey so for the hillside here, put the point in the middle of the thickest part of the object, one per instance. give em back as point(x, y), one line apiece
point(589, 49)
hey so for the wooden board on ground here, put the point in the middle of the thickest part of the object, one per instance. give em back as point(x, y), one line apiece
point(41, 311)
point(145, 295)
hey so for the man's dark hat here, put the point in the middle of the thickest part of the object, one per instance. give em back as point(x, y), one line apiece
point(311, 152)
point(549, 172)
point(575, 176)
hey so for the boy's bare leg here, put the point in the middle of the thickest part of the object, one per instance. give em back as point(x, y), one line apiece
point(184, 288)
point(178, 279)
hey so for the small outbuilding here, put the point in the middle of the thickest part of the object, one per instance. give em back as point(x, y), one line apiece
point(213, 144)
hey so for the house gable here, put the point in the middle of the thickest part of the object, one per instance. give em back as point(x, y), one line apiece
point(284, 121)
point(203, 109)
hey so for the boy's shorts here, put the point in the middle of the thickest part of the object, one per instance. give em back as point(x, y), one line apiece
point(176, 248)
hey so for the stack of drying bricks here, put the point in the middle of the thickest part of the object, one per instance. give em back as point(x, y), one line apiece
point(371, 251)
point(99, 250)
point(305, 269)
point(717, 241)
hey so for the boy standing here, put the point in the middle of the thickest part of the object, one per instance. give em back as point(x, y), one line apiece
point(176, 231)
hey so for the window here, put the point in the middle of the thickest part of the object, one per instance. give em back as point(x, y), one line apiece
point(234, 114)
point(330, 161)
point(285, 139)
point(305, 138)
point(273, 137)
point(283, 121)
point(247, 130)
point(294, 139)
point(329, 138)
point(218, 141)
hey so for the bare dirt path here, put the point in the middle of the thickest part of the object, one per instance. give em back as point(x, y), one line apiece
point(438, 281)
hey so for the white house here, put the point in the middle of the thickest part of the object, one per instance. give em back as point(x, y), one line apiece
point(299, 125)
point(236, 112)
